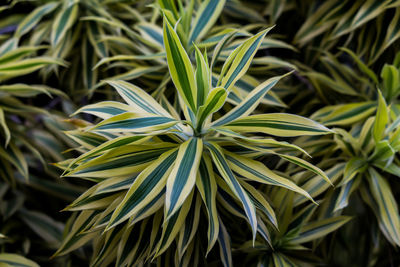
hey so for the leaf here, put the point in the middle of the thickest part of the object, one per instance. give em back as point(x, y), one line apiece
point(306, 165)
point(226, 173)
point(344, 114)
point(146, 186)
point(239, 61)
point(64, 21)
point(388, 210)
point(26, 66)
point(9, 259)
point(4, 126)
point(135, 123)
point(33, 18)
point(127, 160)
point(318, 229)
point(250, 103)
point(256, 171)
point(180, 67)
point(361, 65)
point(182, 178)
point(207, 187)
point(278, 124)
point(215, 100)
point(202, 76)
point(138, 98)
point(224, 246)
point(207, 14)
point(105, 109)
point(381, 118)
point(391, 80)
point(173, 225)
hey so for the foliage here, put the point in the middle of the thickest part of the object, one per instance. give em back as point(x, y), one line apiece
point(199, 132)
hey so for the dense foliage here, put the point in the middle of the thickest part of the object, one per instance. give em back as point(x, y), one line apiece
point(199, 132)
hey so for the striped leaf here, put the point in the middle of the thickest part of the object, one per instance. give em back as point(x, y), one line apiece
point(183, 176)
point(344, 114)
point(15, 260)
point(202, 76)
point(215, 100)
point(318, 229)
point(228, 176)
point(180, 67)
point(138, 98)
point(388, 210)
point(189, 229)
point(206, 16)
point(239, 61)
point(381, 118)
point(278, 124)
point(105, 110)
point(306, 165)
point(256, 171)
point(205, 183)
point(75, 238)
point(249, 104)
point(173, 225)
point(149, 183)
point(135, 123)
point(26, 66)
point(224, 242)
point(126, 160)
point(64, 21)
point(33, 18)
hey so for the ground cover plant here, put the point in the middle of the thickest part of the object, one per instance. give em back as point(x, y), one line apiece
point(199, 132)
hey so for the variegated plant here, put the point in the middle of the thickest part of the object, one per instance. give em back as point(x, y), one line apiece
point(153, 167)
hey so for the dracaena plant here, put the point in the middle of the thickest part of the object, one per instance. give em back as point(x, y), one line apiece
point(152, 165)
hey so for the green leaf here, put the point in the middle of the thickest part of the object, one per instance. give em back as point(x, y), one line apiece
point(215, 100)
point(239, 61)
point(381, 118)
point(388, 210)
point(183, 175)
point(9, 259)
point(150, 182)
point(135, 123)
point(207, 187)
point(228, 176)
point(249, 104)
point(33, 18)
point(318, 229)
point(206, 16)
point(64, 21)
point(278, 124)
point(180, 67)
